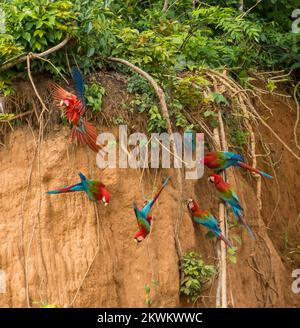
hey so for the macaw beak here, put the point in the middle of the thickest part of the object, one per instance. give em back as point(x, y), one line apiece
point(138, 239)
point(104, 201)
point(189, 203)
point(211, 179)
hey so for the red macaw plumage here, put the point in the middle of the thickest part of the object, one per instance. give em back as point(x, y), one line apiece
point(221, 160)
point(73, 107)
point(142, 217)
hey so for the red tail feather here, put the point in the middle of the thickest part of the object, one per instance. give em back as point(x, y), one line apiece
point(86, 133)
point(248, 167)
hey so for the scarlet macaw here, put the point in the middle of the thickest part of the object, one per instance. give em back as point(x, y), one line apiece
point(74, 107)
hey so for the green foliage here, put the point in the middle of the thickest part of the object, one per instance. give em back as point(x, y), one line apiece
point(190, 90)
point(6, 87)
point(119, 120)
point(182, 39)
point(37, 24)
point(147, 297)
point(238, 135)
point(195, 274)
point(271, 85)
point(156, 122)
point(174, 47)
point(45, 305)
point(4, 117)
point(94, 94)
point(232, 254)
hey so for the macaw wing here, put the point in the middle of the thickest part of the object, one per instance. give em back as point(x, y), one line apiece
point(146, 209)
point(71, 188)
point(232, 156)
point(79, 85)
point(209, 221)
point(235, 197)
point(59, 93)
point(141, 219)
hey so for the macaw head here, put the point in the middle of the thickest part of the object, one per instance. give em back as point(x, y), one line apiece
point(105, 197)
point(215, 178)
point(139, 239)
point(65, 102)
point(191, 205)
point(68, 101)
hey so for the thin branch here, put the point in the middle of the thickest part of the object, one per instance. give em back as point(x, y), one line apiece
point(166, 5)
point(16, 117)
point(298, 115)
point(34, 87)
point(248, 11)
point(33, 55)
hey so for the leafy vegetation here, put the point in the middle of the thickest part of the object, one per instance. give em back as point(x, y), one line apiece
point(94, 94)
point(174, 46)
point(195, 275)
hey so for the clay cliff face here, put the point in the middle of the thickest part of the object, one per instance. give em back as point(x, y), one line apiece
point(63, 242)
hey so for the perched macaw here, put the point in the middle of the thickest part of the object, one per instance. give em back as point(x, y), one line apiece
point(74, 107)
point(221, 160)
point(206, 219)
point(142, 217)
point(227, 195)
point(95, 190)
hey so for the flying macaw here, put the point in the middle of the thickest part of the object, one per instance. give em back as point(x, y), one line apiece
point(227, 195)
point(206, 219)
point(221, 160)
point(74, 107)
point(95, 190)
point(142, 217)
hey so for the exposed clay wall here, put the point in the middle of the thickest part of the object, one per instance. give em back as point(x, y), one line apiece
point(58, 233)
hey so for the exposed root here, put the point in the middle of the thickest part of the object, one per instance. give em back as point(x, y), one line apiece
point(161, 96)
point(298, 114)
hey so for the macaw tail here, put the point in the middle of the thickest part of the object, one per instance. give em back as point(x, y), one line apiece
point(226, 241)
point(237, 210)
point(242, 219)
point(72, 188)
point(85, 133)
point(162, 187)
point(252, 169)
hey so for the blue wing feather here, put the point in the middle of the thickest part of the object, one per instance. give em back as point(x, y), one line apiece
point(232, 156)
point(79, 84)
point(141, 219)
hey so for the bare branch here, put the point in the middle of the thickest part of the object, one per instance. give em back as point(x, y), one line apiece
point(23, 58)
point(166, 5)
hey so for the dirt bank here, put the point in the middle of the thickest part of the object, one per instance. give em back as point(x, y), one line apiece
point(54, 237)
